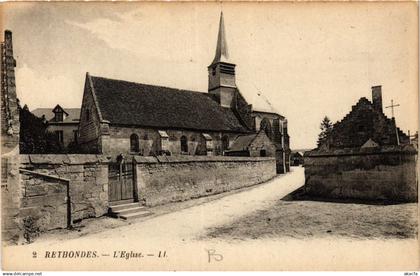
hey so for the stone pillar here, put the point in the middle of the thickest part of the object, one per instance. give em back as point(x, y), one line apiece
point(9, 103)
point(11, 192)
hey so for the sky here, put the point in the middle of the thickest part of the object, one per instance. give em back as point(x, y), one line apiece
point(302, 60)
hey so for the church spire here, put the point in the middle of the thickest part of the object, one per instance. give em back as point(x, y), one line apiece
point(222, 54)
point(222, 72)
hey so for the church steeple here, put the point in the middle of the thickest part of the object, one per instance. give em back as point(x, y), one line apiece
point(222, 53)
point(222, 71)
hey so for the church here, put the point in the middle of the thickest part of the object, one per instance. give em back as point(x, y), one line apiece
point(122, 117)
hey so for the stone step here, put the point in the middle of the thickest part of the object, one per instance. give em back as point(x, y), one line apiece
point(131, 210)
point(115, 208)
point(135, 215)
point(128, 211)
point(120, 202)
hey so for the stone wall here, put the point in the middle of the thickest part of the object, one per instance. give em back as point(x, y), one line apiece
point(168, 179)
point(384, 174)
point(10, 195)
point(44, 200)
point(43, 197)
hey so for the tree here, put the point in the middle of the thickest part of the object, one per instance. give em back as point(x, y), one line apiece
point(34, 137)
point(326, 128)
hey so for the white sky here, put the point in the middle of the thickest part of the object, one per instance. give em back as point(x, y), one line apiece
point(308, 59)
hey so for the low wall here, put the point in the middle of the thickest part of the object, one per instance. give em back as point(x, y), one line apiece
point(44, 199)
point(10, 195)
point(366, 174)
point(176, 178)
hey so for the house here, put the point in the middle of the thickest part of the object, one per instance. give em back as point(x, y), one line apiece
point(365, 157)
point(64, 122)
point(122, 117)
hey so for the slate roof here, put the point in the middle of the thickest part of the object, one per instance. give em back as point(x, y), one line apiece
point(72, 117)
point(128, 103)
point(242, 142)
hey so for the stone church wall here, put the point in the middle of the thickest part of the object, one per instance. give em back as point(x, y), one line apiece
point(386, 174)
point(169, 179)
point(150, 142)
point(90, 125)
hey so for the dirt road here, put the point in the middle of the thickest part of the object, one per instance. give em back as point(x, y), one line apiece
point(171, 242)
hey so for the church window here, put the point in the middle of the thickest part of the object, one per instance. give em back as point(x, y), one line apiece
point(134, 143)
point(184, 144)
point(263, 153)
point(266, 126)
point(225, 143)
point(87, 115)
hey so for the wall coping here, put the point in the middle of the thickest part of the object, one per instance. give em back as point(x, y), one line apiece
point(189, 159)
point(71, 159)
point(45, 175)
point(401, 149)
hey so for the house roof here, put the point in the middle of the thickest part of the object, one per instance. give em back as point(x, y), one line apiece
point(128, 103)
point(242, 142)
point(258, 112)
point(73, 114)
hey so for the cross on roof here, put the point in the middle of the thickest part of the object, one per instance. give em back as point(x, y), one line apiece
point(392, 107)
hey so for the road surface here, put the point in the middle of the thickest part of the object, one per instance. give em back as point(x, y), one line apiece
point(171, 242)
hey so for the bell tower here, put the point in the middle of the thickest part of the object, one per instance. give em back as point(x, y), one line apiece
point(221, 71)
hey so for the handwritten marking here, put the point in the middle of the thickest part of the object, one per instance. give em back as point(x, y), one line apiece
point(212, 255)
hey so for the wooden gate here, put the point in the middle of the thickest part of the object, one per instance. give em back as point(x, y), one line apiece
point(120, 179)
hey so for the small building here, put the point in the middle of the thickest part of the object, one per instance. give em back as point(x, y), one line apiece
point(63, 122)
point(365, 157)
point(296, 159)
point(253, 145)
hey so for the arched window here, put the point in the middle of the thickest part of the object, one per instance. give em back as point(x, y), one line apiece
point(134, 143)
point(184, 144)
point(266, 126)
point(225, 143)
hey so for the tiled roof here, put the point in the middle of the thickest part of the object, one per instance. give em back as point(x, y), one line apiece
point(242, 142)
point(72, 117)
point(129, 103)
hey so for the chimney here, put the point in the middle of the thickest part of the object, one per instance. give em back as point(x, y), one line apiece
point(377, 97)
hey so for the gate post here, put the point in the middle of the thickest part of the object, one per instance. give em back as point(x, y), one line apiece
point(135, 186)
point(120, 160)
